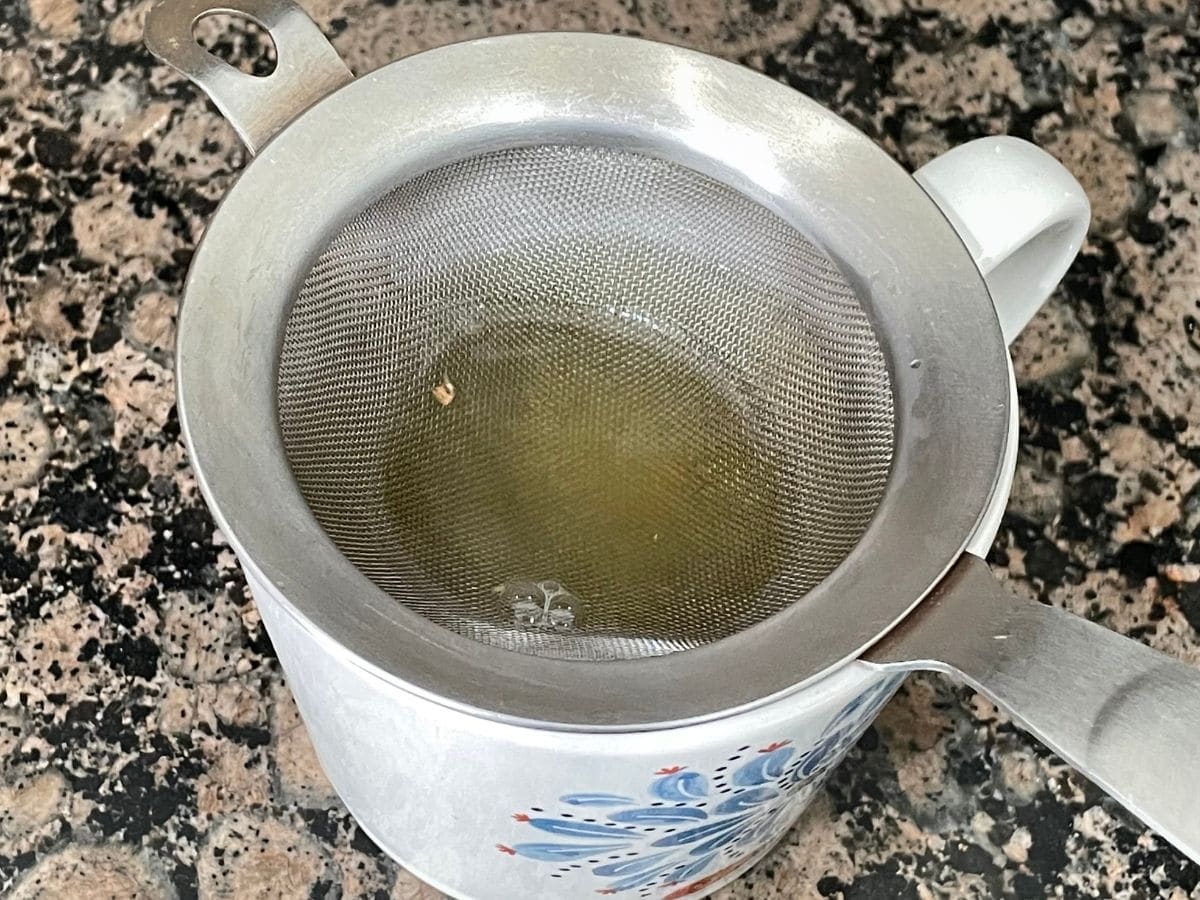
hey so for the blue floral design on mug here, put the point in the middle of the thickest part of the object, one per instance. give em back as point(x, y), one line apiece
point(690, 829)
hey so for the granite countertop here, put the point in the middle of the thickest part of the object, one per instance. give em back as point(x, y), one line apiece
point(148, 745)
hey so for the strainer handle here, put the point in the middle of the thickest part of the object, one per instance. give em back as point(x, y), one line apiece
point(1021, 214)
point(1126, 716)
point(307, 67)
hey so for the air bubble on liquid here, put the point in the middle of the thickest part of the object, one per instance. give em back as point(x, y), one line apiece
point(526, 612)
point(516, 591)
point(541, 604)
point(566, 611)
point(562, 619)
point(525, 599)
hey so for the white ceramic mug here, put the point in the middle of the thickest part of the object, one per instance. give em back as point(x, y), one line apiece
point(491, 811)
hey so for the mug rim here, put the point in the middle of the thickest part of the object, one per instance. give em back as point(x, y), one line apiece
point(909, 268)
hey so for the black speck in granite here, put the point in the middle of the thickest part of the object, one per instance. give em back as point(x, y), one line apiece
point(881, 880)
point(54, 148)
point(1090, 493)
point(140, 799)
point(139, 690)
point(1188, 600)
point(133, 655)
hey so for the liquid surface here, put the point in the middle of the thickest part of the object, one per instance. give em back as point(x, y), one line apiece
point(600, 462)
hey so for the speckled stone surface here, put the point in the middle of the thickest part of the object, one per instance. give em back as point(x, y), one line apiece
point(148, 746)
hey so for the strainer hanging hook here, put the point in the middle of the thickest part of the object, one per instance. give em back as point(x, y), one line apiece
point(257, 106)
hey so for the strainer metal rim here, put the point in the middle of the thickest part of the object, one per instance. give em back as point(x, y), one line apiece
point(923, 293)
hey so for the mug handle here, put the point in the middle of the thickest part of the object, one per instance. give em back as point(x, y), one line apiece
point(257, 106)
point(1019, 212)
point(1126, 716)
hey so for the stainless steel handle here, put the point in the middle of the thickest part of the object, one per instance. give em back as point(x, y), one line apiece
point(307, 69)
point(1126, 716)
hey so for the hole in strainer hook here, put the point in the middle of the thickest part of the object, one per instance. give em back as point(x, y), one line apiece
point(237, 40)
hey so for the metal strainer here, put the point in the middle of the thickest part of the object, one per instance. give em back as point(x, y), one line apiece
point(595, 349)
point(670, 416)
point(635, 362)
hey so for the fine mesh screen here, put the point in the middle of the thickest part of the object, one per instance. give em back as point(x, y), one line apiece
point(584, 403)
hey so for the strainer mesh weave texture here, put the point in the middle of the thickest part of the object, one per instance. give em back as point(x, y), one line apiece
point(583, 402)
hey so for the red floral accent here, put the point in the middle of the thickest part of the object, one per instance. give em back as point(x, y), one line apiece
point(697, 886)
point(521, 817)
point(509, 850)
point(773, 746)
point(670, 770)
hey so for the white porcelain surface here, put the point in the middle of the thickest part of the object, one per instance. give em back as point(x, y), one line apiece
point(490, 811)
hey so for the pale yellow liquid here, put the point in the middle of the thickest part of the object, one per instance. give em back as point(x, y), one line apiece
point(599, 460)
